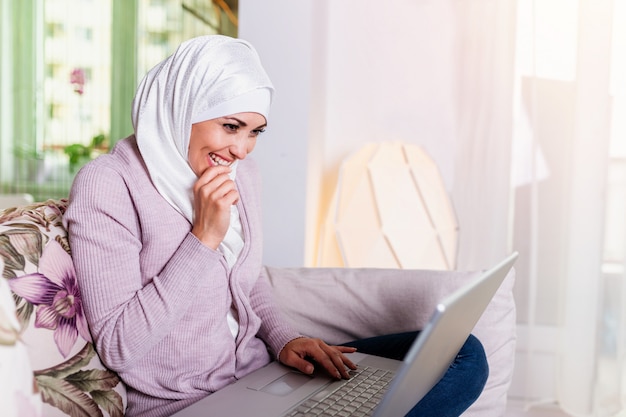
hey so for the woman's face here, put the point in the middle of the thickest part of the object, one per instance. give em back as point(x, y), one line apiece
point(223, 140)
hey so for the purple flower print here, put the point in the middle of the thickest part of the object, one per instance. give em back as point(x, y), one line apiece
point(54, 291)
point(77, 79)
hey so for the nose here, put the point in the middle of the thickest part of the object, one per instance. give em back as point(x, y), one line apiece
point(239, 148)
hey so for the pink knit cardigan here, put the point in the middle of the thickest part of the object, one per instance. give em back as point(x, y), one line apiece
point(155, 298)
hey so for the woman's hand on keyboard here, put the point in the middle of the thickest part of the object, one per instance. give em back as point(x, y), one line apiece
point(302, 353)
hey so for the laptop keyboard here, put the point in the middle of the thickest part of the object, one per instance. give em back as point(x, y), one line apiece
point(356, 397)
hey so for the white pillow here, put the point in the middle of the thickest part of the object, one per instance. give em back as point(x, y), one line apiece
point(17, 384)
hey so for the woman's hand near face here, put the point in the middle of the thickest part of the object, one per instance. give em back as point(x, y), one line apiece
point(300, 353)
point(214, 194)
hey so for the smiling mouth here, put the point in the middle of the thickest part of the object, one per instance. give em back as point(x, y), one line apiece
point(218, 160)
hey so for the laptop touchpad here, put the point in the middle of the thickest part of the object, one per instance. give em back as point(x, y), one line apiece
point(286, 384)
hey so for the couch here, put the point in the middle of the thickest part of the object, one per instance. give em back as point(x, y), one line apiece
point(69, 378)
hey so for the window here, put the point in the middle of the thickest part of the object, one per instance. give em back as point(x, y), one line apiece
point(69, 77)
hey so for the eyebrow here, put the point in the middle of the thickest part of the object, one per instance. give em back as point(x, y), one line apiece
point(242, 123)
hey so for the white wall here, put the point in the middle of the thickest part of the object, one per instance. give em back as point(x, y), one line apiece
point(281, 32)
point(346, 74)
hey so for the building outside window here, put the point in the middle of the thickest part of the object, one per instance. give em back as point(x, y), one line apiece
point(68, 71)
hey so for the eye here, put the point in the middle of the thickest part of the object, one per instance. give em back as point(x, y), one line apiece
point(231, 127)
point(257, 132)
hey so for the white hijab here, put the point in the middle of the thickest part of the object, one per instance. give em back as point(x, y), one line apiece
point(206, 78)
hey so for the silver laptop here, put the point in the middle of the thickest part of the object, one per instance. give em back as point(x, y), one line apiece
point(276, 390)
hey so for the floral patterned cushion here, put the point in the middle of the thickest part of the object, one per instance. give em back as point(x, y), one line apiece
point(35, 259)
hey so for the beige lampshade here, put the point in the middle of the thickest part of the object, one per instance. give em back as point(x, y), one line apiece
point(390, 209)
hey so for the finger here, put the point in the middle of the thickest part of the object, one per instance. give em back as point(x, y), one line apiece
point(304, 354)
point(290, 357)
point(226, 193)
point(345, 349)
point(333, 361)
point(219, 187)
point(343, 364)
point(216, 170)
point(213, 175)
point(299, 352)
point(346, 360)
point(300, 364)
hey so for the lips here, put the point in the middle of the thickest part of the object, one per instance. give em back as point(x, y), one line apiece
point(217, 160)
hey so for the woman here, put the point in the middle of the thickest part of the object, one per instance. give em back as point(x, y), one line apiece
point(166, 240)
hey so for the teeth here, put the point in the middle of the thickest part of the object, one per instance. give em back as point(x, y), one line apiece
point(218, 160)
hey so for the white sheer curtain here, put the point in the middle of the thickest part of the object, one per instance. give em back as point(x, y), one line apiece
point(540, 167)
point(568, 218)
point(484, 56)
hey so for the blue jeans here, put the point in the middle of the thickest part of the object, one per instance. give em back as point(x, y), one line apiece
point(458, 388)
